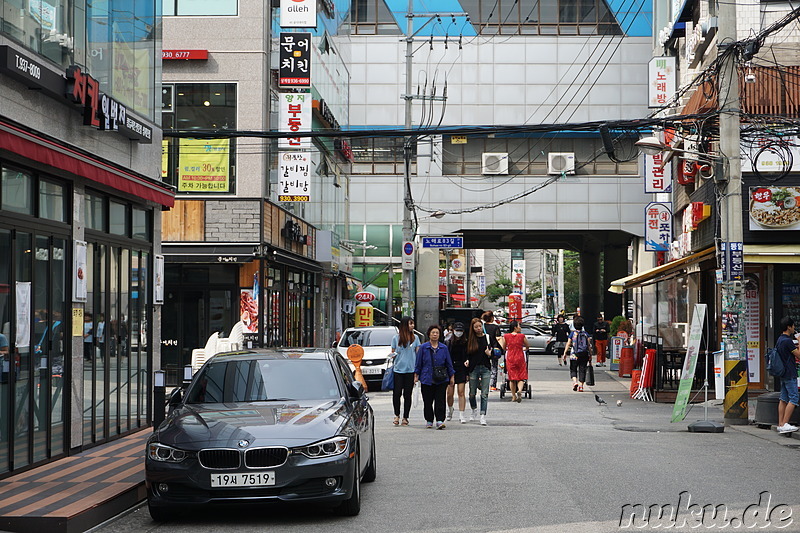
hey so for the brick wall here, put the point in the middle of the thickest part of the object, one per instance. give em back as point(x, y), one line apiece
point(232, 221)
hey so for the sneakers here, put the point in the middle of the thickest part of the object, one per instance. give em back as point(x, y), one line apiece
point(461, 417)
point(493, 389)
point(787, 428)
point(449, 414)
point(574, 386)
point(440, 425)
point(483, 420)
point(428, 425)
point(474, 415)
point(599, 365)
point(580, 388)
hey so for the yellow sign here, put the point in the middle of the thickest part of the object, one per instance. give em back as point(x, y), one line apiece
point(77, 321)
point(164, 158)
point(458, 139)
point(363, 315)
point(203, 165)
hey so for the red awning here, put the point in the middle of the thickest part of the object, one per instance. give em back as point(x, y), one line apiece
point(461, 298)
point(61, 157)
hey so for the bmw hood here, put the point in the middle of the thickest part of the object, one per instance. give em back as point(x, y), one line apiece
point(198, 426)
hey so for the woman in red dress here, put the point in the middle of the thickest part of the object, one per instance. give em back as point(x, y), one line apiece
point(516, 345)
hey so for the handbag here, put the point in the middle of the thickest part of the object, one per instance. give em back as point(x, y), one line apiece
point(497, 353)
point(439, 372)
point(388, 379)
point(590, 375)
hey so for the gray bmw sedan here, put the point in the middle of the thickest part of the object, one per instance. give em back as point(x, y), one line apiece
point(259, 425)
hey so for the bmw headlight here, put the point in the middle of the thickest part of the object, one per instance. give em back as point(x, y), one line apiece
point(324, 448)
point(165, 454)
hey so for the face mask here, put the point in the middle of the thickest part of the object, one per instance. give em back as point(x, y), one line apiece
point(458, 333)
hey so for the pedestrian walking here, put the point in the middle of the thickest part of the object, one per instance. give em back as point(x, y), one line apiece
point(579, 357)
point(434, 370)
point(404, 346)
point(479, 365)
point(491, 329)
point(601, 328)
point(516, 346)
point(561, 333)
point(790, 355)
point(458, 353)
point(448, 333)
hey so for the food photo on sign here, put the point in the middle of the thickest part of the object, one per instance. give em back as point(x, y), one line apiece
point(774, 208)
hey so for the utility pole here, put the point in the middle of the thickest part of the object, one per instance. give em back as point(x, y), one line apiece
point(408, 229)
point(560, 297)
point(729, 180)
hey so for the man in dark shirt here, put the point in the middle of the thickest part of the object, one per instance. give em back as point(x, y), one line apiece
point(600, 339)
point(494, 333)
point(561, 333)
point(790, 354)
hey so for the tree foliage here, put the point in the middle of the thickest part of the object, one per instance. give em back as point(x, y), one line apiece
point(572, 289)
point(501, 287)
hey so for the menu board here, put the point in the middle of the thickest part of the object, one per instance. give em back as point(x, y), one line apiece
point(752, 324)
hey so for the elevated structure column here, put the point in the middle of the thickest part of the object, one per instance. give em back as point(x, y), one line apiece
point(615, 266)
point(590, 296)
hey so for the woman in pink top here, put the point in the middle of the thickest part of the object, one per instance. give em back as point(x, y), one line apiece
point(516, 345)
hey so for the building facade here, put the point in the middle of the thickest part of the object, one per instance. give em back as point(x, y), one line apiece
point(80, 220)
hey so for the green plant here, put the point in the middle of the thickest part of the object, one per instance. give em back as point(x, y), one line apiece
point(615, 323)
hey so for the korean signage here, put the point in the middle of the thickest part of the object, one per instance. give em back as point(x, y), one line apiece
point(518, 275)
point(443, 242)
point(203, 165)
point(734, 261)
point(169, 55)
point(298, 13)
point(657, 226)
point(661, 81)
point(657, 176)
point(774, 208)
point(294, 179)
point(482, 285)
point(752, 325)
point(295, 60)
point(295, 115)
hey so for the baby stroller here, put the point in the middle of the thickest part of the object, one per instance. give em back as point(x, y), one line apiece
point(505, 386)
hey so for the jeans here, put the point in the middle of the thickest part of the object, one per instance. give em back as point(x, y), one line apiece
point(479, 374)
point(403, 386)
point(789, 392)
point(434, 402)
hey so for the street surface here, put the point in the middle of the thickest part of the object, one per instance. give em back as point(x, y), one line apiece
point(556, 463)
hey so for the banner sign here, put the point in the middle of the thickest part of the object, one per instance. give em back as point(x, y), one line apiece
point(443, 242)
point(719, 375)
point(515, 306)
point(616, 352)
point(482, 285)
point(203, 165)
point(752, 325)
point(735, 261)
point(295, 115)
point(518, 276)
point(657, 179)
point(298, 13)
point(658, 226)
point(661, 81)
point(295, 60)
point(294, 177)
point(774, 208)
point(689, 363)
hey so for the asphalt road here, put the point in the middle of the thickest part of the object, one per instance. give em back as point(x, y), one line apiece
point(556, 463)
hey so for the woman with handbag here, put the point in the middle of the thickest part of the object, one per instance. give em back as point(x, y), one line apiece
point(479, 364)
point(434, 370)
point(458, 353)
point(404, 347)
point(516, 345)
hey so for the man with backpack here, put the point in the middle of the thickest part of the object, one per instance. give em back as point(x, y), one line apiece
point(580, 357)
point(789, 354)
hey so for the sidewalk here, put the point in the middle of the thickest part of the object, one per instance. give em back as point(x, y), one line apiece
point(76, 493)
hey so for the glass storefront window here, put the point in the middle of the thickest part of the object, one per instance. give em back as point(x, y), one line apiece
point(52, 204)
point(95, 214)
point(117, 218)
point(141, 226)
point(16, 192)
point(208, 8)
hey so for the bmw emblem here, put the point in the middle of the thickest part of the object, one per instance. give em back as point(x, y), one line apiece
point(243, 444)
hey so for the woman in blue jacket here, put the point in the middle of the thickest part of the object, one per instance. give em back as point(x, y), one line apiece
point(434, 370)
point(404, 346)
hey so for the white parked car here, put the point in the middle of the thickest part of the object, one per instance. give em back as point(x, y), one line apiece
point(377, 344)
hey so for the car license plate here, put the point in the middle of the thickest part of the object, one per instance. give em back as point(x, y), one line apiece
point(370, 370)
point(256, 479)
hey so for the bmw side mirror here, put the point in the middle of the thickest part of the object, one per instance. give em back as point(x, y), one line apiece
point(175, 398)
point(356, 390)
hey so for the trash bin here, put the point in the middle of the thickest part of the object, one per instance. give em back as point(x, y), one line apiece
point(767, 411)
point(626, 362)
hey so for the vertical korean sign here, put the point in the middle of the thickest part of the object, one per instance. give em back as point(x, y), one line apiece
point(658, 226)
point(752, 325)
point(657, 176)
point(294, 181)
point(660, 81)
point(295, 60)
point(689, 363)
point(298, 13)
point(295, 115)
point(518, 275)
point(203, 165)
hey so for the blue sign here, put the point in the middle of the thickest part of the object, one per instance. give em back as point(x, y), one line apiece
point(735, 261)
point(443, 242)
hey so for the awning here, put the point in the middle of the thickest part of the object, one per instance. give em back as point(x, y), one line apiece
point(292, 260)
point(771, 253)
point(58, 156)
point(653, 274)
point(221, 253)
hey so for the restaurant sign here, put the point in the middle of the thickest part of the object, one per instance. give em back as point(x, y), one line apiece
point(295, 59)
point(295, 116)
point(294, 182)
point(658, 226)
point(657, 175)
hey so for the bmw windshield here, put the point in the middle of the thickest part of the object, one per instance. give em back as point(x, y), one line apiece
point(264, 380)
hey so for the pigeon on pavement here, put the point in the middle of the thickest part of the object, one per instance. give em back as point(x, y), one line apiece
point(599, 400)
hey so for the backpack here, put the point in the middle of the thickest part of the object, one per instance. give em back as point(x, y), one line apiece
point(581, 342)
point(775, 365)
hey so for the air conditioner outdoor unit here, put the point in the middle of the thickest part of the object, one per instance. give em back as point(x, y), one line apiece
point(561, 163)
point(494, 163)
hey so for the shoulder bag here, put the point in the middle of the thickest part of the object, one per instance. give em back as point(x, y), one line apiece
point(439, 372)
